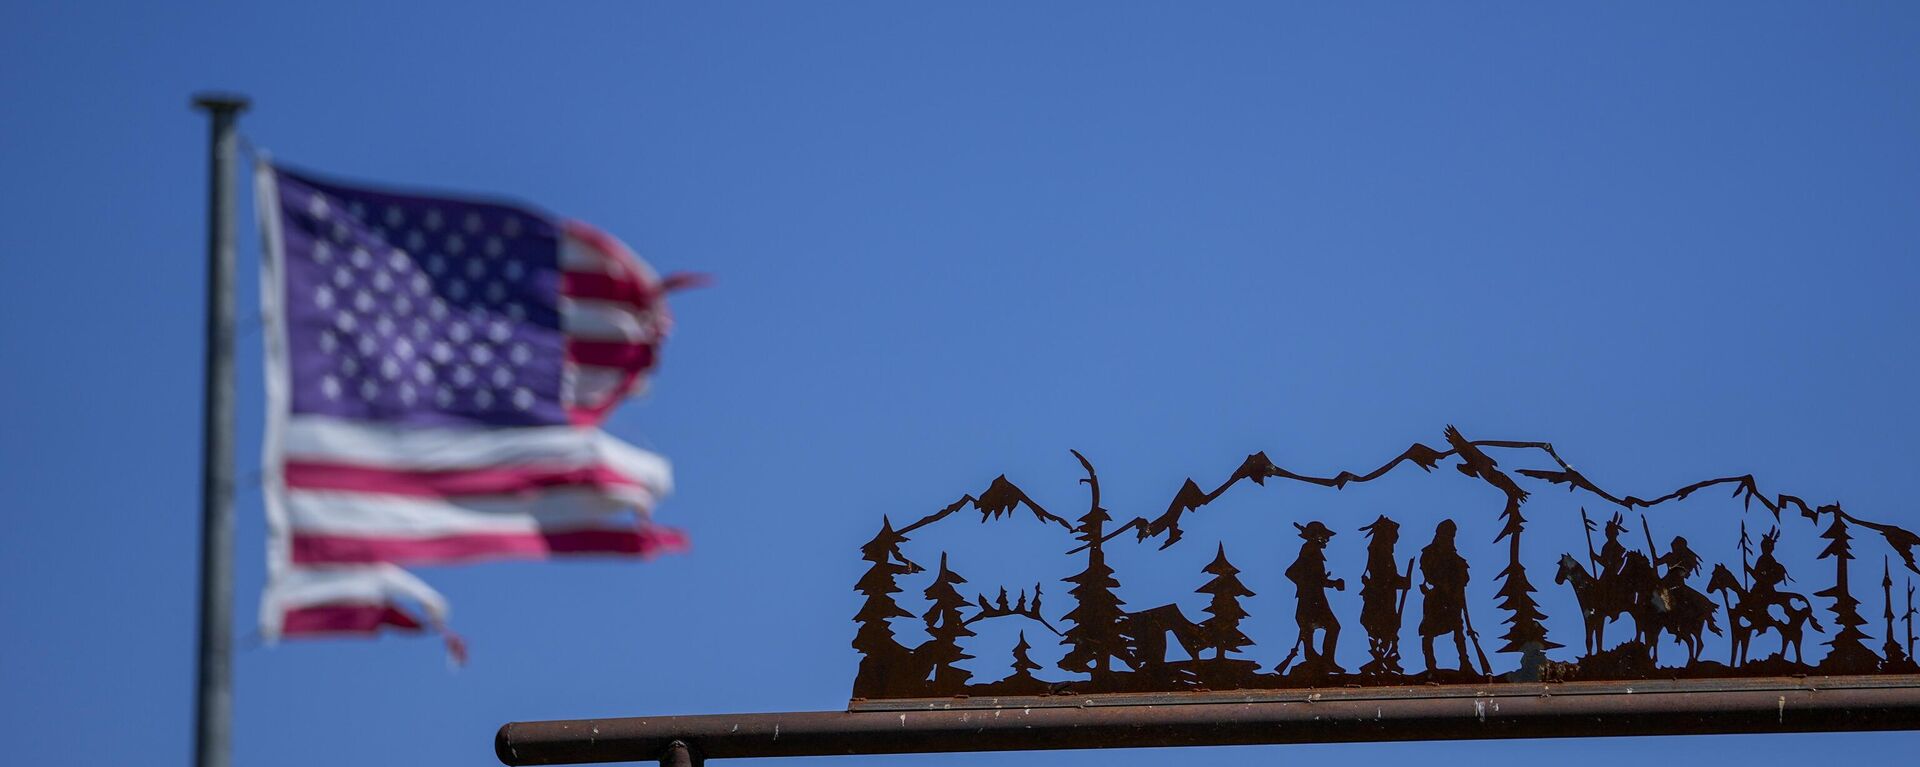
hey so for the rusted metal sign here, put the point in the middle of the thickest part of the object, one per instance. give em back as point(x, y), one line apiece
point(1755, 643)
point(1651, 590)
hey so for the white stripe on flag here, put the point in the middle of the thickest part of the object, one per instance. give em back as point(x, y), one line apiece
point(577, 256)
point(337, 512)
point(594, 320)
point(375, 584)
point(592, 384)
point(366, 495)
point(322, 439)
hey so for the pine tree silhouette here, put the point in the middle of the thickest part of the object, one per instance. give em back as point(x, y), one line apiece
point(1525, 633)
point(883, 660)
point(946, 627)
point(1021, 681)
point(1023, 666)
point(1095, 637)
point(1222, 631)
point(1849, 653)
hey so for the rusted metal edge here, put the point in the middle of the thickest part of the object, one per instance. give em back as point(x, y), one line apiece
point(1328, 719)
point(1409, 692)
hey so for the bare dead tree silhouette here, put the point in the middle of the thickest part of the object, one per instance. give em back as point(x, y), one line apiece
point(1909, 617)
point(1896, 658)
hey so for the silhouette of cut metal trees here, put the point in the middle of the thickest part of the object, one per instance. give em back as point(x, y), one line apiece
point(1095, 638)
point(883, 660)
point(1525, 632)
point(1100, 630)
point(1848, 653)
point(1222, 630)
point(1023, 666)
point(946, 627)
point(1021, 681)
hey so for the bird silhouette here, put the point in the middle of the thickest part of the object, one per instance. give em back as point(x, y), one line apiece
point(1474, 463)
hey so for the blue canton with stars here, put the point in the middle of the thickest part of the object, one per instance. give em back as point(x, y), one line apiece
point(420, 310)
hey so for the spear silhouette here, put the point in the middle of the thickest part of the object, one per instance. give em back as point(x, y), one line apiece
point(1592, 560)
point(1909, 616)
point(1886, 596)
point(1400, 612)
point(1746, 548)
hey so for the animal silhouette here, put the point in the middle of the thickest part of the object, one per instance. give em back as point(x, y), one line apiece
point(1750, 616)
point(1600, 603)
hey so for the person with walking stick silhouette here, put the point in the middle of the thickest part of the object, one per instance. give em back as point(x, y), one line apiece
point(1383, 592)
point(1443, 593)
point(1311, 579)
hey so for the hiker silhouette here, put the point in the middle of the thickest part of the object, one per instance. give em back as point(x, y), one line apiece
point(1383, 590)
point(1443, 594)
point(1310, 580)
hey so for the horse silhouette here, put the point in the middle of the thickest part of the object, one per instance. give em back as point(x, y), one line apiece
point(1600, 601)
point(1749, 616)
point(1630, 591)
point(1656, 609)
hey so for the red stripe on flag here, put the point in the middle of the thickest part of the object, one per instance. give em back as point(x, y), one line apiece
point(346, 619)
point(610, 354)
point(498, 480)
point(624, 280)
point(606, 287)
point(646, 542)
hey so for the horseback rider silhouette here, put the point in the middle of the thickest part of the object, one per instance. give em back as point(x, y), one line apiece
point(1684, 608)
point(1681, 563)
point(1443, 594)
point(1310, 580)
point(1768, 573)
point(1613, 555)
point(1382, 603)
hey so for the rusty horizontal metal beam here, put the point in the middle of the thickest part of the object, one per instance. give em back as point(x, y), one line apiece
point(1225, 719)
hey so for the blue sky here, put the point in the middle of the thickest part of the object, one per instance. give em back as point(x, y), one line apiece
point(950, 243)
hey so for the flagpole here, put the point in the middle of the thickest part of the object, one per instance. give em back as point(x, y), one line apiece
point(213, 711)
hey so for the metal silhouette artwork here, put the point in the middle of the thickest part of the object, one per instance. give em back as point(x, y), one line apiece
point(1633, 596)
point(1383, 595)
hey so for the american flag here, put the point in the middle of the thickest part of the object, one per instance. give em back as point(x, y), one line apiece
point(437, 372)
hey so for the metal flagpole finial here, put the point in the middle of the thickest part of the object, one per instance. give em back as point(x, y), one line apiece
point(219, 102)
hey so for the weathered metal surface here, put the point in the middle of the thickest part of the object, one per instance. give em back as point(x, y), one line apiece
point(1655, 593)
point(1578, 709)
point(213, 698)
point(1121, 682)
